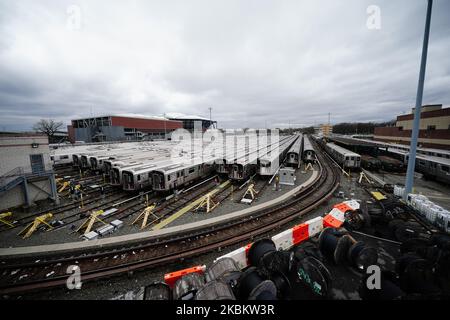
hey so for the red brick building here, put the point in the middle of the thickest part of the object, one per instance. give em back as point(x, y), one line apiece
point(121, 127)
point(434, 128)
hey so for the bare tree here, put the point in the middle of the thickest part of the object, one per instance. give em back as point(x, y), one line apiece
point(49, 127)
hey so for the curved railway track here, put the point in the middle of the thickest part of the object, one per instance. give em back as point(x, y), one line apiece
point(22, 276)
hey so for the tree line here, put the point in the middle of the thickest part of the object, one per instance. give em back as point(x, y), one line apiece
point(346, 128)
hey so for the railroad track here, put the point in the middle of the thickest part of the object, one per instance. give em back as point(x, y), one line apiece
point(110, 195)
point(19, 276)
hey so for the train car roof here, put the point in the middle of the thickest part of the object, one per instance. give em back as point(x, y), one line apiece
point(297, 144)
point(440, 160)
point(342, 150)
point(306, 143)
point(283, 147)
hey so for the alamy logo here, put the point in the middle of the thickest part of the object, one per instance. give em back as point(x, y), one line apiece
point(73, 18)
point(374, 19)
point(374, 280)
point(74, 280)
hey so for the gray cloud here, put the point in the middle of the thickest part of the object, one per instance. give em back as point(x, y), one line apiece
point(255, 62)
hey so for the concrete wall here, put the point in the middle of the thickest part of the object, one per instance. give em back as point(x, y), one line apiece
point(441, 123)
point(15, 152)
point(115, 133)
point(16, 196)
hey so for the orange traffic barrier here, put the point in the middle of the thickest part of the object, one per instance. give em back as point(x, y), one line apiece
point(300, 233)
point(343, 207)
point(171, 278)
point(330, 221)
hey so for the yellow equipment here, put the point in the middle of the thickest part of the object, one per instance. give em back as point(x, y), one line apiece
point(89, 222)
point(189, 207)
point(207, 202)
point(63, 187)
point(362, 176)
point(32, 227)
point(4, 221)
point(377, 195)
point(250, 194)
point(144, 215)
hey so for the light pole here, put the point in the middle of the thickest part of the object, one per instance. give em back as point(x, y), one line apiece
point(416, 123)
point(165, 130)
point(210, 122)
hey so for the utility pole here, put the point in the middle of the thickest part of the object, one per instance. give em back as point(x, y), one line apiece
point(165, 129)
point(210, 121)
point(416, 123)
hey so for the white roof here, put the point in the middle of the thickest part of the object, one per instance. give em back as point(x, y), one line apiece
point(342, 150)
point(440, 160)
point(182, 116)
point(126, 115)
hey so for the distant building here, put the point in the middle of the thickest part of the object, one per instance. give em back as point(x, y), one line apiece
point(26, 172)
point(59, 137)
point(326, 129)
point(121, 127)
point(434, 128)
point(191, 122)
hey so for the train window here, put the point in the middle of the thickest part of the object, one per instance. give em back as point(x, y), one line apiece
point(168, 177)
point(52, 158)
point(139, 177)
point(422, 163)
point(191, 170)
point(444, 168)
point(431, 127)
point(64, 157)
point(352, 158)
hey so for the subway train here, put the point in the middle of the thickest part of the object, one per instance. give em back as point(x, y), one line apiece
point(344, 157)
point(308, 152)
point(370, 163)
point(178, 175)
point(294, 154)
point(269, 163)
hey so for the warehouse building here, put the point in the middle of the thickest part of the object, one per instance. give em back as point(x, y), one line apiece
point(434, 128)
point(26, 173)
point(120, 128)
point(191, 122)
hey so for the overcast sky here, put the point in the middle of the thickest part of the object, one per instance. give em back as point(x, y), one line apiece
point(255, 62)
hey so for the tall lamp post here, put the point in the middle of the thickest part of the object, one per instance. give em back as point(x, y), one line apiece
point(165, 129)
point(415, 130)
point(210, 121)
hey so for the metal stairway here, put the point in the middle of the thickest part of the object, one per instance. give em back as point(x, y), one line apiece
point(11, 179)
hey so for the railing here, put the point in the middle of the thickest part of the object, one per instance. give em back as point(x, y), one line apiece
point(20, 172)
point(11, 175)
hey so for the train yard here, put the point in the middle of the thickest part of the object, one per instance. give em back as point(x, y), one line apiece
point(122, 213)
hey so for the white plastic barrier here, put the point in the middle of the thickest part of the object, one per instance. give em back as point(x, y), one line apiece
point(352, 204)
point(283, 240)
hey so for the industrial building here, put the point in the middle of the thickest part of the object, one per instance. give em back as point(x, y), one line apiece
point(324, 130)
point(26, 172)
point(121, 127)
point(434, 128)
point(191, 122)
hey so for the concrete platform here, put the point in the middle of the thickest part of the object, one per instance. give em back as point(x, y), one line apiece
point(267, 197)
